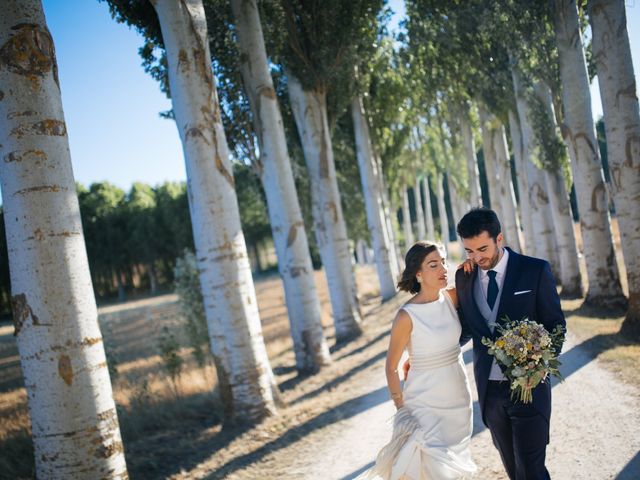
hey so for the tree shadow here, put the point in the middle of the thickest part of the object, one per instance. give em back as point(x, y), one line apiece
point(341, 412)
point(631, 471)
point(357, 472)
point(362, 348)
point(342, 378)
point(591, 311)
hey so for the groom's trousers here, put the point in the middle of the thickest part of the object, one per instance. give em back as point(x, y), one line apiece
point(519, 432)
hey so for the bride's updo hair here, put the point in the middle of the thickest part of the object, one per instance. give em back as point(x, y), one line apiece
point(413, 261)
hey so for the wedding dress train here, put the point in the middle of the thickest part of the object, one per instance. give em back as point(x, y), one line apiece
point(432, 431)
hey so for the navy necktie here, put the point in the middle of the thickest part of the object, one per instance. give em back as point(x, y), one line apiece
point(492, 291)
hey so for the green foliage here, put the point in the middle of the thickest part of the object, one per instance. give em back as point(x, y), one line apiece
point(170, 353)
point(252, 203)
point(552, 152)
point(326, 41)
point(138, 235)
point(187, 286)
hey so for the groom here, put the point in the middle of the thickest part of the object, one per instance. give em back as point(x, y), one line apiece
point(507, 284)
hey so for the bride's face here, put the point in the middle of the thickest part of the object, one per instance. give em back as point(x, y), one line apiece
point(433, 271)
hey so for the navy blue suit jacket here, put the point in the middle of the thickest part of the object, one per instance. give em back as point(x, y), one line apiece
point(540, 304)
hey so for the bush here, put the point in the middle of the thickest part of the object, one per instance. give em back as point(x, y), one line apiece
point(187, 285)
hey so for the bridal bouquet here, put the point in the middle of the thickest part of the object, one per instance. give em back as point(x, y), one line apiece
point(527, 353)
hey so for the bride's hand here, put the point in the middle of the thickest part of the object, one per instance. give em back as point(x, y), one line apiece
point(405, 368)
point(468, 266)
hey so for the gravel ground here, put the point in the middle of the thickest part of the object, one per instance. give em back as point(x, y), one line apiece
point(594, 429)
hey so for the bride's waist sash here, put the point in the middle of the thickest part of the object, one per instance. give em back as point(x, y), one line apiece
point(437, 360)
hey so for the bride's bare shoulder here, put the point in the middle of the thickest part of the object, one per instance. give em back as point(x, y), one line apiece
point(402, 319)
point(453, 295)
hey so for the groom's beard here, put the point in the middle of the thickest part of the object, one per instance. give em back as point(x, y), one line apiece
point(494, 260)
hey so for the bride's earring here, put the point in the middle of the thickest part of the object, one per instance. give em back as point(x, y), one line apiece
point(419, 279)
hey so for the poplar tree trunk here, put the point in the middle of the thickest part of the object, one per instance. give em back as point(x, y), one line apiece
point(507, 195)
point(543, 235)
point(523, 185)
point(580, 137)
point(310, 113)
point(428, 211)
point(406, 220)
point(397, 259)
point(287, 227)
point(570, 276)
point(442, 212)
point(373, 201)
point(612, 54)
point(247, 383)
point(490, 162)
point(74, 423)
point(417, 198)
point(454, 199)
point(475, 193)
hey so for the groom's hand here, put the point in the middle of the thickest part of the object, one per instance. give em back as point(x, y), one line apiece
point(468, 266)
point(405, 368)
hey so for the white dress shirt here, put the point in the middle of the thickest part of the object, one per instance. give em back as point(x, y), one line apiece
point(501, 270)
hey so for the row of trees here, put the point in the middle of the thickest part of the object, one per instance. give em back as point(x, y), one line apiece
point(414, 115)
point(518, 70)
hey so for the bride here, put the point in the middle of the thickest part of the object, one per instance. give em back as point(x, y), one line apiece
point(433, 424)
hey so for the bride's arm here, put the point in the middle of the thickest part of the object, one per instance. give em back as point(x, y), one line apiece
point(400, 333)
point(453, 294)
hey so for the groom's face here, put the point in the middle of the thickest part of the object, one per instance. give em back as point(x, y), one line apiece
point(483, 250)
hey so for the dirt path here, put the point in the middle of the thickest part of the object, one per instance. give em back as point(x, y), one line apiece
point(594, 431)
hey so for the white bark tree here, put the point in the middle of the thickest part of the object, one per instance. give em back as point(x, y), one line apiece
point(285, 217)
point(523, 185)
point(570, 276)
point(382, 243)
point(475, 193)
point(509, 219)
point(390, 221)
point(455, 199)
point(310, 113)
point(490, 161)
point(579, 134)
point(406, 219)
point(417, 200)
point(617, 82)
point(442, 212)
point(543, 234)
point(428, 211)
point(246, 381)
point(74, 423)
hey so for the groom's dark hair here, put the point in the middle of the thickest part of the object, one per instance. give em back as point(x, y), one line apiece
point(478, 220)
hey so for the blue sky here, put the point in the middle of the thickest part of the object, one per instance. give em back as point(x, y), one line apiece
point(111, 105)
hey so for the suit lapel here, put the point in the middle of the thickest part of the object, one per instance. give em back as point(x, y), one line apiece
point(478, 320)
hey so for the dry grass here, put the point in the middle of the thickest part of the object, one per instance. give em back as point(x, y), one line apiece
point(159, 419)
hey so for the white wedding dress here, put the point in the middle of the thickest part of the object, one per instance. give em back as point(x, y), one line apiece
point(432, 431)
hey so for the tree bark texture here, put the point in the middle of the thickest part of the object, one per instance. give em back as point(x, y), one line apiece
point(287, 227)
point(247, 383)
point(310, 112)
point(579, 134)
point(382, 248)
point(617, 81)
point(74, 423)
